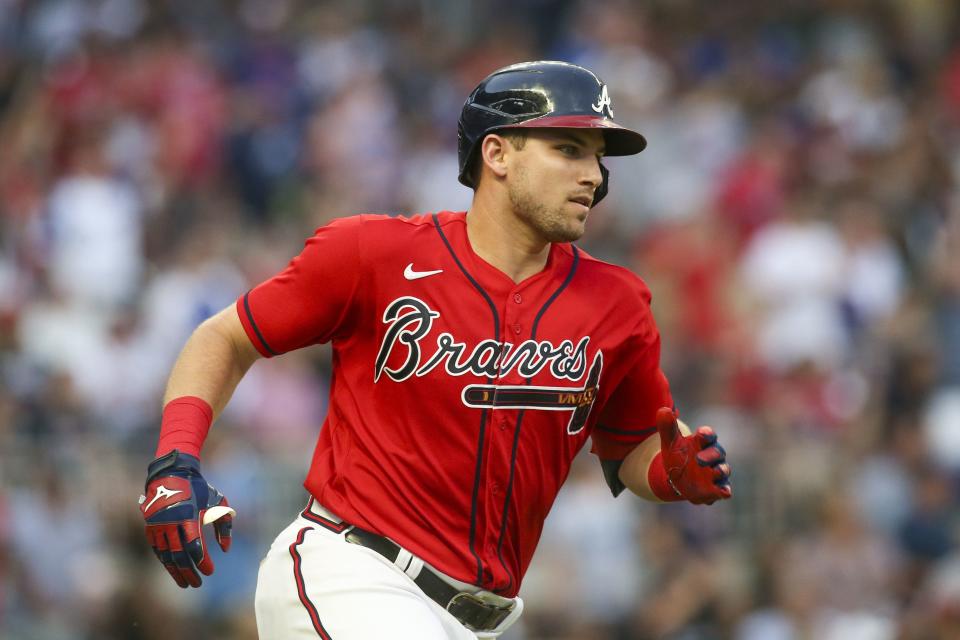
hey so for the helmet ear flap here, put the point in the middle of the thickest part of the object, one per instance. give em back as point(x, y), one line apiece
point(601, 191)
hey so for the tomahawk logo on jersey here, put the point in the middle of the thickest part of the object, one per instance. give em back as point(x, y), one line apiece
point(506, 380)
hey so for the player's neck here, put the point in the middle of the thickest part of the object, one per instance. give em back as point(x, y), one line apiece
point(504, 242)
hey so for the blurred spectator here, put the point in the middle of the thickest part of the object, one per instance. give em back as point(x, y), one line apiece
point(794, 271)
point(59, 566)
point(96, 230)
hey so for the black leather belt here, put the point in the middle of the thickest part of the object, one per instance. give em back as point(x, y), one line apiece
point(465, 607)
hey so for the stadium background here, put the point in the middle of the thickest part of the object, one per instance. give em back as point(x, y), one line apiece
point(797, 215)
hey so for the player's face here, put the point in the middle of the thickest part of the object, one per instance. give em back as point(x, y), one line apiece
point(552, 180)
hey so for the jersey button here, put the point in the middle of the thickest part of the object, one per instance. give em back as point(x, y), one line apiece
point(517, 329)
point(517, 298)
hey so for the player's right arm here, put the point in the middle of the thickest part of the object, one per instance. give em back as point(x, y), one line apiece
point(177, 500)
point(310, 301)
point(213, 361)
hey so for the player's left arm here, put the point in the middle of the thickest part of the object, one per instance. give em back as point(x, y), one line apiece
point(678, 464)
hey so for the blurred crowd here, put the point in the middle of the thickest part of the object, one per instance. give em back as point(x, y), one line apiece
point(797, 216)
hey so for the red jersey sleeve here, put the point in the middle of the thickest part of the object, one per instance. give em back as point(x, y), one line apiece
point(314, 298)
point(629, 415)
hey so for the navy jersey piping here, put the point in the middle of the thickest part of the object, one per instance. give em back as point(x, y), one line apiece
point(516, 432)
point(483, 414)
point(256, 329)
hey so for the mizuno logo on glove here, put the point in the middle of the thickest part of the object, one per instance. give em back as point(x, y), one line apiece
point(162, 492)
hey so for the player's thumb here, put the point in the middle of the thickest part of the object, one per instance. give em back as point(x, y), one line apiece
point(667, 427)
point(223, 528)
point(221, 517)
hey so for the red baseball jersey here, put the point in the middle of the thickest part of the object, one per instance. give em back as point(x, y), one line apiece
point(459, 398)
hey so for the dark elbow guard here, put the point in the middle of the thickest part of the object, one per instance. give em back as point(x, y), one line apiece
point(611, 473)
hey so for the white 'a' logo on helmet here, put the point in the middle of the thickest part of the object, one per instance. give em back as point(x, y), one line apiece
point(603, 100)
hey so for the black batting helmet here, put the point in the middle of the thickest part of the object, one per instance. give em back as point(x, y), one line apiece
point(547, 94)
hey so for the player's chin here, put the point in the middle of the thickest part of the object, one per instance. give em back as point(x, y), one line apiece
point(579, 222)
point(570, 233)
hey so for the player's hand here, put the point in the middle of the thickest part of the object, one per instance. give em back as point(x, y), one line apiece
point(177, 502)
point(696, 465)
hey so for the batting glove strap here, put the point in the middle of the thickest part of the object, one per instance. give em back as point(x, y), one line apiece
point(175, 499)
point(175, 460)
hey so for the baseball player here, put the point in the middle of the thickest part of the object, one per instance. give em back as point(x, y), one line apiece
point(474, 354)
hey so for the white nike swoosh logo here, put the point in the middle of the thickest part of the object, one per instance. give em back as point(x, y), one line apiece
point(410, 274)
point(162, 492)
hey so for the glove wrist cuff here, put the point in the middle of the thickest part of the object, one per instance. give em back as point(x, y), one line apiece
point(171, 461)
point(659, 481)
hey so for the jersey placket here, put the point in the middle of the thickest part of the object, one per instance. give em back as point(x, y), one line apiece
point(500, 449)
point(515, 310)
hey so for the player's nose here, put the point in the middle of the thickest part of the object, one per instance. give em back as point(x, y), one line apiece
point(591, 175)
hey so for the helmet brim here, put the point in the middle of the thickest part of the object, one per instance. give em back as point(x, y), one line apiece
point(620, 140)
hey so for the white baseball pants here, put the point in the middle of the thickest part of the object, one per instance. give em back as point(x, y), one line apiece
point(314, 584)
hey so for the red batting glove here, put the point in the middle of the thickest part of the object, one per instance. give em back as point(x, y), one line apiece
point(692, 468)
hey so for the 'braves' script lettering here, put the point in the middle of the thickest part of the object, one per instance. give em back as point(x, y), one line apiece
point(409, 319)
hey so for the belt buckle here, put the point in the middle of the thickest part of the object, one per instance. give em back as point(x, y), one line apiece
point(466, 596)
point(494, 614)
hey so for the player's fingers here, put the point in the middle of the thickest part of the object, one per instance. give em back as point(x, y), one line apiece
point(189, 574)
point(181, 557)
point(175, 574)
point(704, 437)
point(150, 533)
point(711, 456)
point(168, 547)
point(158, 540)
point(721, 473)
point(721, 492)
point(193, 544)
point(725, 490)
point(172, 561)
point(667, 427)
point(165, 556)
point(161, 548)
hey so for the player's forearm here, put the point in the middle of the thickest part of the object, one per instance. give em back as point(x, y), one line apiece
point(212, 363)
point(635, 470)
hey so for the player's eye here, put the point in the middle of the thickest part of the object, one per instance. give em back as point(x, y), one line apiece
point(569, 150)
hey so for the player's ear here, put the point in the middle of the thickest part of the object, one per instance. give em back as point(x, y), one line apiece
point(493, 151)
